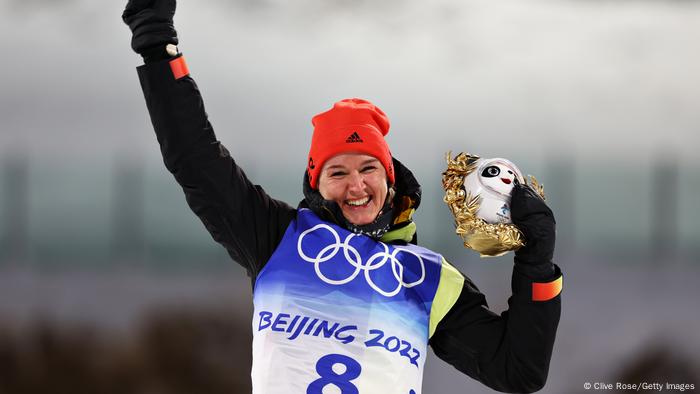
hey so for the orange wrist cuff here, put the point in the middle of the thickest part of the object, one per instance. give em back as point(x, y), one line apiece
point(546, 291)
point(179, 67)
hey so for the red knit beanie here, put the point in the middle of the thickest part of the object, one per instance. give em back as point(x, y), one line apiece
point(352, 125)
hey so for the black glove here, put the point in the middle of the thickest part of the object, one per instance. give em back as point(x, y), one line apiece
point(536, 221)
point(151, 22)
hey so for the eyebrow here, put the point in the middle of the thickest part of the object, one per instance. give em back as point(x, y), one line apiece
point(340, 166)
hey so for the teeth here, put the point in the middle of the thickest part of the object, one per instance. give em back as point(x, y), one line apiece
point(357, 203)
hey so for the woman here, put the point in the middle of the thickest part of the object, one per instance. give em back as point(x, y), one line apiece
point(343, 295)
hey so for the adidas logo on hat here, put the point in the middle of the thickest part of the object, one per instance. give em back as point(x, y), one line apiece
point(354, 137)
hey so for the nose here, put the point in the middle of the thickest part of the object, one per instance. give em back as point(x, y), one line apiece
point(356, 183)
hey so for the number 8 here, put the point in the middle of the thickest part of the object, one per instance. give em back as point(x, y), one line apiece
point(324, 367)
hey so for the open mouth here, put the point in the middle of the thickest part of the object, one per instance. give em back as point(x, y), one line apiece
point(360, 202)
point(506, 181)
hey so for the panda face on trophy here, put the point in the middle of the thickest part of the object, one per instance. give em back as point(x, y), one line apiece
point(498, 177)
point(493, 182)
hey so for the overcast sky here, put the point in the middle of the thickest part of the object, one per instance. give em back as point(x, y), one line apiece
point(596, 78)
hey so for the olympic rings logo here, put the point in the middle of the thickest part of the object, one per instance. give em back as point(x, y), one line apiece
point(352, 257)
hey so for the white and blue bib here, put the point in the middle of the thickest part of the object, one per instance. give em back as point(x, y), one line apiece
point(337, 312)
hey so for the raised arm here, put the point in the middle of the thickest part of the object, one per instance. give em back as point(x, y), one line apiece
point(239, 215)
point(509, 352)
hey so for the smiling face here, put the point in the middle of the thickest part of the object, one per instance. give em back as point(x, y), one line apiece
point(357, 183)
point(498, 177)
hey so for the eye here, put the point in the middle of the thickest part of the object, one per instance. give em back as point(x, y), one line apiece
point(337, 174)
point(490, 172)
point(368, 169)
